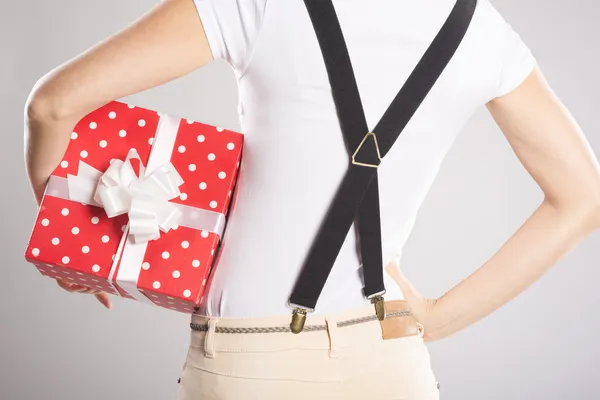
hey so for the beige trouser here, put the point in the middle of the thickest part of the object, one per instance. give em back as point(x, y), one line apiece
point(338, 361)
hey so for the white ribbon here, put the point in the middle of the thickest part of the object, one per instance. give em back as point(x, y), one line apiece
point(119, 190)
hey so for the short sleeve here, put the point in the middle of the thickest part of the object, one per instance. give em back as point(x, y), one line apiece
point(232, 28)
point(516, 61)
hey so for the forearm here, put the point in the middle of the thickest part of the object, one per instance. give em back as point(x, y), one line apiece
point(539, 243)
point(46, 141)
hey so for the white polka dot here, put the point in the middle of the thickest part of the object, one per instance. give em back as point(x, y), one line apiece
point(230, 146)
point(75, 230)
point(212, 252)
point(185, 244)
point(183, 196)
point(195, 263)
point(122, 133)
point(65, 211)
point(189, 121)
point(219, 129)
point(141, 123)
point(55, 241)
point(165, 255)
point(83, 154)
point(95, 280)
point(95, 220)
point(79, 273)
point(64, 164)
point(85, 249)
point(213, 204)
point(146, 266)
point(113, 257)
point(93, 125)
point(151, 141)
point(192, 167)
point(130, 106)
point(103, 143)
point(176, 274)
point(45, 222)
point(202, 185)
point(211, 157)
point(201, 138)
point(112, 115)
point(187, 293)
point(204, 234)
point(95, 268)
point(229, 194)
point(181, 149)
point(105, 239)
point(204, 282)
point(35, 252)
point(99, 287)
point(237, 165)
point(66, 260)
point(222, 175)
point(175, 227)
point(66, 272)
point(156, 285)
point(74, 135)
point(71, 278)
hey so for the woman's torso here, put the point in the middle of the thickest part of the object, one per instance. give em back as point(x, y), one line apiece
point(294, 155)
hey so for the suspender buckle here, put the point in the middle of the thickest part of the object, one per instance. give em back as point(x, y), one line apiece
point(379, 303)
point(298, 317)
point(368, 136)
point(298, 320)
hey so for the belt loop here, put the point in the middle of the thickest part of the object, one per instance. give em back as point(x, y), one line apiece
point(209, 339)
point(333, 332)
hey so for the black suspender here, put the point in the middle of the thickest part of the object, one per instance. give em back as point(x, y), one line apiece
point(358, 194)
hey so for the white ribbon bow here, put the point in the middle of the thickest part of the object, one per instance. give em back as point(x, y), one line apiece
point(119, 191)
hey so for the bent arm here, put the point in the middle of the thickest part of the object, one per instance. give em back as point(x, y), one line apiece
point(554, 151)
point(164, 44)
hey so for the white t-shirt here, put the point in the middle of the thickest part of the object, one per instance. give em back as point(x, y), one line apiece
point(294, 154)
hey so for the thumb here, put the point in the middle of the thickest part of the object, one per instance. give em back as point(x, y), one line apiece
point(103, 298)
point(408, 290)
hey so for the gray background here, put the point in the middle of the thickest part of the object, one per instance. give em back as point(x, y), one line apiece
point(543, 345)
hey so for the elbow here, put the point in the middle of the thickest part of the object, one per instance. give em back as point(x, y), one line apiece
point(46, 105)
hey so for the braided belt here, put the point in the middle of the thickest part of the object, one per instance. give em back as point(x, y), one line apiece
point(286, 329)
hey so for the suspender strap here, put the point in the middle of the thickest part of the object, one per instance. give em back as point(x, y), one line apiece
point(357, 196)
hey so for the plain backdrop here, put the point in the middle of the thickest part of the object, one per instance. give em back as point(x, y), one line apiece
point(542, 345)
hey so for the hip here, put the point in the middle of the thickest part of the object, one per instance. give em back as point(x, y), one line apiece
point(351, 356)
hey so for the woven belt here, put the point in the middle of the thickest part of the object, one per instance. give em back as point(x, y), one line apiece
point(286, 329)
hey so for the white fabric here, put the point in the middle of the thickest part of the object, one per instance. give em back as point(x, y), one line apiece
point(294, 156)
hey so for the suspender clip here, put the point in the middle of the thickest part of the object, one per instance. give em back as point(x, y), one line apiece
point(379, 303)
point(298, 320)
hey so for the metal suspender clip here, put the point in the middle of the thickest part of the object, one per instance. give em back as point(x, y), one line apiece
point(378, 301)
point(360, 146)
point(298, 317)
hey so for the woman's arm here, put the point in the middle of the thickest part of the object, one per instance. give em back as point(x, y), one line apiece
point(553, 150)
point(165, 43)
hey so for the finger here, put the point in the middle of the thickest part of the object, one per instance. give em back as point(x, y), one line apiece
point(408, 290)
point(70, 287)
point(104, 299)
point(90, 291)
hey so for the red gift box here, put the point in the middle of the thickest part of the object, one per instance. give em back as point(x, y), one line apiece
point(138, 205)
